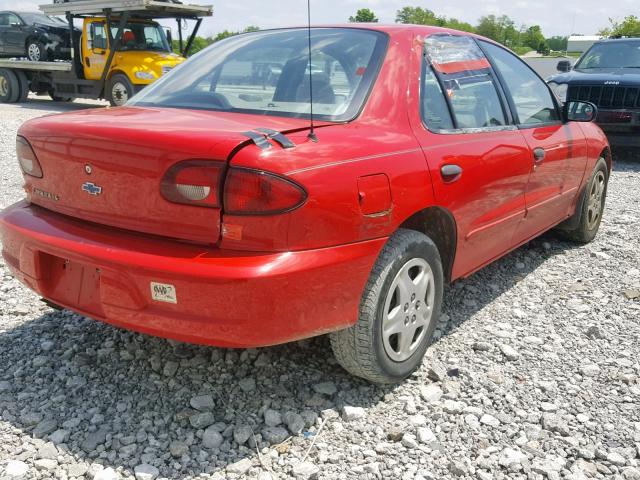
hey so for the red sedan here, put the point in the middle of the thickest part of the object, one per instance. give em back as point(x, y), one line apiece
point(206, 211)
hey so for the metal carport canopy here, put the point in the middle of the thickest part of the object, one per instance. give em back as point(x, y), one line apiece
point(139, 8)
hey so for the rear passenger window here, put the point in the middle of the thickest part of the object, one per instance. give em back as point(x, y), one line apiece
point(531, 96)
point(458, 72)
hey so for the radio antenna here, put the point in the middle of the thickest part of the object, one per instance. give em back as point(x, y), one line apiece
point(312, 132)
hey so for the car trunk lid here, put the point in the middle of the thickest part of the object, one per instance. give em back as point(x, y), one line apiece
point(106, 166)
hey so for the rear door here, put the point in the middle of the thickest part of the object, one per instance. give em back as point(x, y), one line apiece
point(557, 149)
point(478, 159)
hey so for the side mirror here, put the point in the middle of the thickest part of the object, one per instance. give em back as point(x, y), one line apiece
point(564, 66)
point(580, 112)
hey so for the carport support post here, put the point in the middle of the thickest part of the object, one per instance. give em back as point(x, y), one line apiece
point(75, 59)
point(179, 20)
point(114, 44)
point(191, 38)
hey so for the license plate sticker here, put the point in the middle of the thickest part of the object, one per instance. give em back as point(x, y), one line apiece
point(163, 292)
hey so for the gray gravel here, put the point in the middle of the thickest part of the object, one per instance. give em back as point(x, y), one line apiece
point(536, 375)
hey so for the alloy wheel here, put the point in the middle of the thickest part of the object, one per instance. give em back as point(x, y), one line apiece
point(33, 52)
point(595, 201)
point(408, 309)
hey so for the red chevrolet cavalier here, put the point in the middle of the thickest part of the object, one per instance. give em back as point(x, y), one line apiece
point(206, 210)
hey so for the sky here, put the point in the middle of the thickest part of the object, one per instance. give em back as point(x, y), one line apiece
point(556, 17)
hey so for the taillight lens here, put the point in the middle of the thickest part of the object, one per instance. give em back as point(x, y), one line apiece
point(27, 158)
point(194, 182)
point(254, 192)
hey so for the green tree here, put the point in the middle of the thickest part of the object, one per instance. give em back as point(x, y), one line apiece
point(201, 42)
point(501, 29)
point(419, 16)
point(534, 39)
point(629, 27)
point(458, 25)
point(364, 15)
point(559, 44)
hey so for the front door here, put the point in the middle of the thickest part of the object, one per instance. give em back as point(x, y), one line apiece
point(557, 149)
point(479, 161)
point(95, 49)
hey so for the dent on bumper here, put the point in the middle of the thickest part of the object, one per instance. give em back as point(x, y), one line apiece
point(229, 299)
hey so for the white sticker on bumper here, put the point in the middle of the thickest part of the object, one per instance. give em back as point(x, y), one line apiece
point(163, 292)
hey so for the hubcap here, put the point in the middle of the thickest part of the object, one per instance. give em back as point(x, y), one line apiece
point(4, 86)
point(408, 309)
point(119, 94)
point(33, 52)
point(595, 201)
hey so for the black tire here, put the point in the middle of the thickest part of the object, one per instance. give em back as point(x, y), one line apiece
point(364, 350)
point(23, 81)
point(9, 86)
point(58, 98)
point(119, 90)
point(592, 204)
point(36, 51)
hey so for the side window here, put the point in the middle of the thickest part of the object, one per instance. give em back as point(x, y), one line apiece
point(14, 20)
point(458, 64)
point(98, 36)
point(4, 20)
point(531, 96)
point(435, 111)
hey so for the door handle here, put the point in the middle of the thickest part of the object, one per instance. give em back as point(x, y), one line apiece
point(450, 173)
point(539, 154)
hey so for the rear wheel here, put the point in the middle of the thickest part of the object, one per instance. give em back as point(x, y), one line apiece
point(23, 82)
point(592, 207)
point(119, 90)
point(399, 311)
point(36, 51)
point(9, 86)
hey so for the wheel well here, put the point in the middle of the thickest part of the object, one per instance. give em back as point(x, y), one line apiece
point(113, 73)
point(438, 224)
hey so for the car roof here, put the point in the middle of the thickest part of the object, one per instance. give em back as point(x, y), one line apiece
point(390, 29)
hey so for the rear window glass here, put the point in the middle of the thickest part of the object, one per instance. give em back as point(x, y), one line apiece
point(270, 73)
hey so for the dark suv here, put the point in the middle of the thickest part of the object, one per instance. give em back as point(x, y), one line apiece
point(34, 35)
point(608, 74)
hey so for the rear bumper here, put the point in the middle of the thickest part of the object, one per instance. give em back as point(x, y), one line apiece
point(224, 298)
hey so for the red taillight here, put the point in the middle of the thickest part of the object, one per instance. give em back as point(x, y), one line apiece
point(253, 192)
point(27, 158)
point(194, 182)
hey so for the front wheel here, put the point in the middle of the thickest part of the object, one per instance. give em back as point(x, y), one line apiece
point(37, 52)
point(119, 90)
point(399, 311)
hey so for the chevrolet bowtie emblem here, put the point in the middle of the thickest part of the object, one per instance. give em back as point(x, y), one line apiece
point(92, 188)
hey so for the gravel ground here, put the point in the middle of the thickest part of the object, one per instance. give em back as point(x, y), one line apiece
point(535, 375)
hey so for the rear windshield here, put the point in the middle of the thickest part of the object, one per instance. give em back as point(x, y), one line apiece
point(269, 73)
